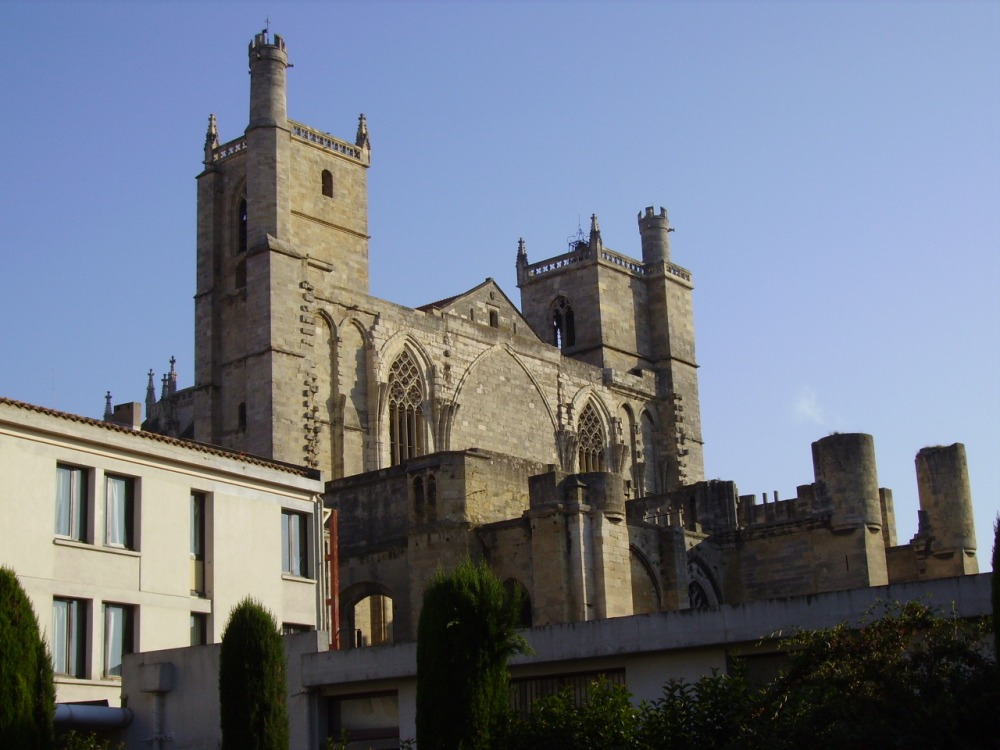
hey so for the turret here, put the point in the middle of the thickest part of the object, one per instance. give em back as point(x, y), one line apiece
point(945, 498)
point(268, 62)
point(847, 480)
point(654, 229)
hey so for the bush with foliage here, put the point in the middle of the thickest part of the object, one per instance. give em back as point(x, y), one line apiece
point(27, 693)
point(716, 712)
point(607, 719)
point(467, 631)
point(252, 694)
point(74, 740)
point(909, 678)
point(995, 589)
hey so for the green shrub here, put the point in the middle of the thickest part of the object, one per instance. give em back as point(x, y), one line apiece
point(607, 720)
point(467, 630)
point(73, 740)
point(252, 703)
point(27, 693)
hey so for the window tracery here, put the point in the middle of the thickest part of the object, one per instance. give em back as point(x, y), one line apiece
point(406, 418)
point(591, 443)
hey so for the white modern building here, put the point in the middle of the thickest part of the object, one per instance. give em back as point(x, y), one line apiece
point(128, 541)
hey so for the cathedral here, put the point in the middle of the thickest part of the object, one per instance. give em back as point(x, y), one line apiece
point(559, 439)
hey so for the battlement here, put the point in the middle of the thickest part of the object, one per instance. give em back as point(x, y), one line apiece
point(624, 262)
point(232, 148)
point(262, 42)
point(648, 216)
point(327, 141)
point(302, 132)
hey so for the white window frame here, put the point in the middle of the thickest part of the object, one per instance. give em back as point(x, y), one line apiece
point(72, 502)
point(295, 556)
point(119, 636)
point(69, 637)
point(120, 527)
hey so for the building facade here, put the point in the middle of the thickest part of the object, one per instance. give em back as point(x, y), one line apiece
point(129, 541)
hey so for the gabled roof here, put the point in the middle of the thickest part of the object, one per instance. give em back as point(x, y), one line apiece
point(302, 471)
point(489, 289)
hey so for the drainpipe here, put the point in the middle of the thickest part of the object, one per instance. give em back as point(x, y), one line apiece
point(333, 577)
point(158, 679)
point(319, 544)
point(77, 714)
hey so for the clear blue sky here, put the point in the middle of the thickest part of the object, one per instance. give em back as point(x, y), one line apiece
point(832, 171)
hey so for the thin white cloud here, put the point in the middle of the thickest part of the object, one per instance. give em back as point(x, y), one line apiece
point(807, 408)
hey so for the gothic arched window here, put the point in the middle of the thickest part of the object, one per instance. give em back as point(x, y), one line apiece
point(241, 226)
point(563, 330)
point(406, 418)
point(697, 598)
point(327, 183)
point(591, 440)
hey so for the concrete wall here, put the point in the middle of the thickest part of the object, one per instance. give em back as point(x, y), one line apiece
point(650, 649)
point(174, 695)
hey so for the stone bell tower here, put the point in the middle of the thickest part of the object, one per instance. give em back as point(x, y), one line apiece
point(282, 221)
point(634, 320)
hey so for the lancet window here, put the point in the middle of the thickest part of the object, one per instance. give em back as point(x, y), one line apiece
point(591, 440)
point(326, 180)
point(563, 329)
point(406, 418)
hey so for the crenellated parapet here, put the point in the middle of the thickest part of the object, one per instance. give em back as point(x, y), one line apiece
point(329, 143)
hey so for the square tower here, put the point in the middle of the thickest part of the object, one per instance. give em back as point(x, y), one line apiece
point(628, 318)
point(282, 216)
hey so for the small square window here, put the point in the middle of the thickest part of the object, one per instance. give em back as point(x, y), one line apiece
point(119, 637)
point(295, 543)
point(69, 637)
point(119, 512)
point(71, 502)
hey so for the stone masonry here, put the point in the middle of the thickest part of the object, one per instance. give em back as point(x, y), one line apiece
point(560, 441)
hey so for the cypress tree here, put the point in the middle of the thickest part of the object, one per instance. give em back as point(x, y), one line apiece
point(995, 591)
point(467, 630)
point(27, 693)
point(252, 703)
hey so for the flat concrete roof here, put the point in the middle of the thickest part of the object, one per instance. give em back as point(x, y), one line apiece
point(723, 626)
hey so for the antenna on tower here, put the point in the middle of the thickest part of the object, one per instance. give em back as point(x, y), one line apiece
point(575, 240)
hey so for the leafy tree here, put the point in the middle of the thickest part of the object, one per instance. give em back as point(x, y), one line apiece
point(607, 720)
point(910, 678)
point(718, 711)
point(27, 693)
point(466, 632)
point(252, 701)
